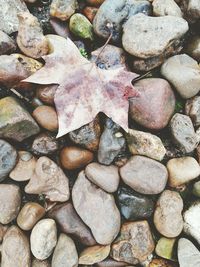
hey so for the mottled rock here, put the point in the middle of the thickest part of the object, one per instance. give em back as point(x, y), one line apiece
point(188, 83)
point(196, 189)
point(44, 144)
point(7, 44)
point(43, 238)
point(70, 223)
point(155, 104)
point(90, 12)
point(167, 216)
point(60, 28)
point(72, 157)
point(16, 123)
point(10, 201)
point(134, 206)
point(145, 144)
point(46, 93)
point(8, 159)
point(191, 221)
point(49, 179)
point(145, 36)
point(111, 16)
point(81, 27)
point(30, 38)
point(63, 9)
point(9, 10)
point(183, 133)
point(193, 48)
point(25, 167)
point(87, 136)
point(166, 8)
point(165, 247)
point(106, 177)
point(15, 249)
point(134, 244)
point(144, 175)
point(182, 170)
point(38, 263)
point(94, 254)
point(110, 263)
point(65, 253)
point(97, 209)
point(29, 215)
point(192, 109)
point(188, 254)
point(111, 143)
point(161, 263)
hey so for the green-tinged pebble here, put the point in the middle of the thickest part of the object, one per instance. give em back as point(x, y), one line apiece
point(164, 247)
point(196, 189)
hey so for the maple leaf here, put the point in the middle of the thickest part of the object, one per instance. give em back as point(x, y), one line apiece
point(84, 89)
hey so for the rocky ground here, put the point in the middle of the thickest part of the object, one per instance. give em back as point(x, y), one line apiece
point(99, 195)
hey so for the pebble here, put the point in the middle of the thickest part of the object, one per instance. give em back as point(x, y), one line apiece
point(8, 159)
point(192, 109)
point(155, 104)
point(165, 248)
point(146, 37)
point(196, 189)
point(110, 263)
point(46, 117)
point(193, 10)
point(81, 27)
point(166, 8)
point(10, 202)
point(61, 29)
point(3, 230)
point(7, 44)
point(112, 143)
point(43, 238)
point(94, 254)
point(72, 157)
point(182, 170)
point(193, 48)
point(106, 177)
point(44, 144)
point(167, 216)
point(145, 144)
point(9, 10)
point(162, 263)
point(111, 16)
point(30, 38)
point(29, 215)
point(183, 133)
point(15, 249)
point(16, 123)
point(97, 209)
point(191, 221)
point(183, 72)
point(90, 12)
point(46, 93)
point(188, 254)
point(65, 253)
point(70, 223)
point(63, 10)
point(134, 206)
point(49, 179)
point(24, 169)
point(95, 2)
point(134, 244)
point(38, 263)
point(144, 175)
point(87, 136)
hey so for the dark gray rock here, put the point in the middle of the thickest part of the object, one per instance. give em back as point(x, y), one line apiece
point(44, 144)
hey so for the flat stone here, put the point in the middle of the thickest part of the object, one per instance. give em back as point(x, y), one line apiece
point(10, 202)
point(188, 254)
point(167, 216)
point(97, 209)
point(38, 263)
point(94, 254)
point(9, 10)
point(192, 109)
point(134, 244)
point(65, 253)
point(134, 206)
point(70, 223)
point(144, 175)
point(63, 9)
point(106, 177)
point(165, 247)
point(8, 159)
point(7, 44)
point(155, 104)
point(43, 238)
point(145, 144)
point(145, 36)
point(166, 8)
point(15, 121)
point(182, 170)
point(183, 133)
point(49, 179)
point(45, 144)
point(188, 83)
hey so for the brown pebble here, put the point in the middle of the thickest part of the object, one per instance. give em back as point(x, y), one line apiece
point(95, 2)
point(46, 117)
point(75, 157)
point(29, 215)
point(90, 12)
point(46, 93)
point(3, 230)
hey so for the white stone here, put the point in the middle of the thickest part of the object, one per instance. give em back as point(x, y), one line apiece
point(166, 7)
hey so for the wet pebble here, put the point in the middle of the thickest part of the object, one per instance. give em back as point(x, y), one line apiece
point(94, 254)
point(44, 144)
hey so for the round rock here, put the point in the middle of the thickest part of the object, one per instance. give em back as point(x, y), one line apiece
point(95, 254)
point(166, 8)
point(188, 254)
